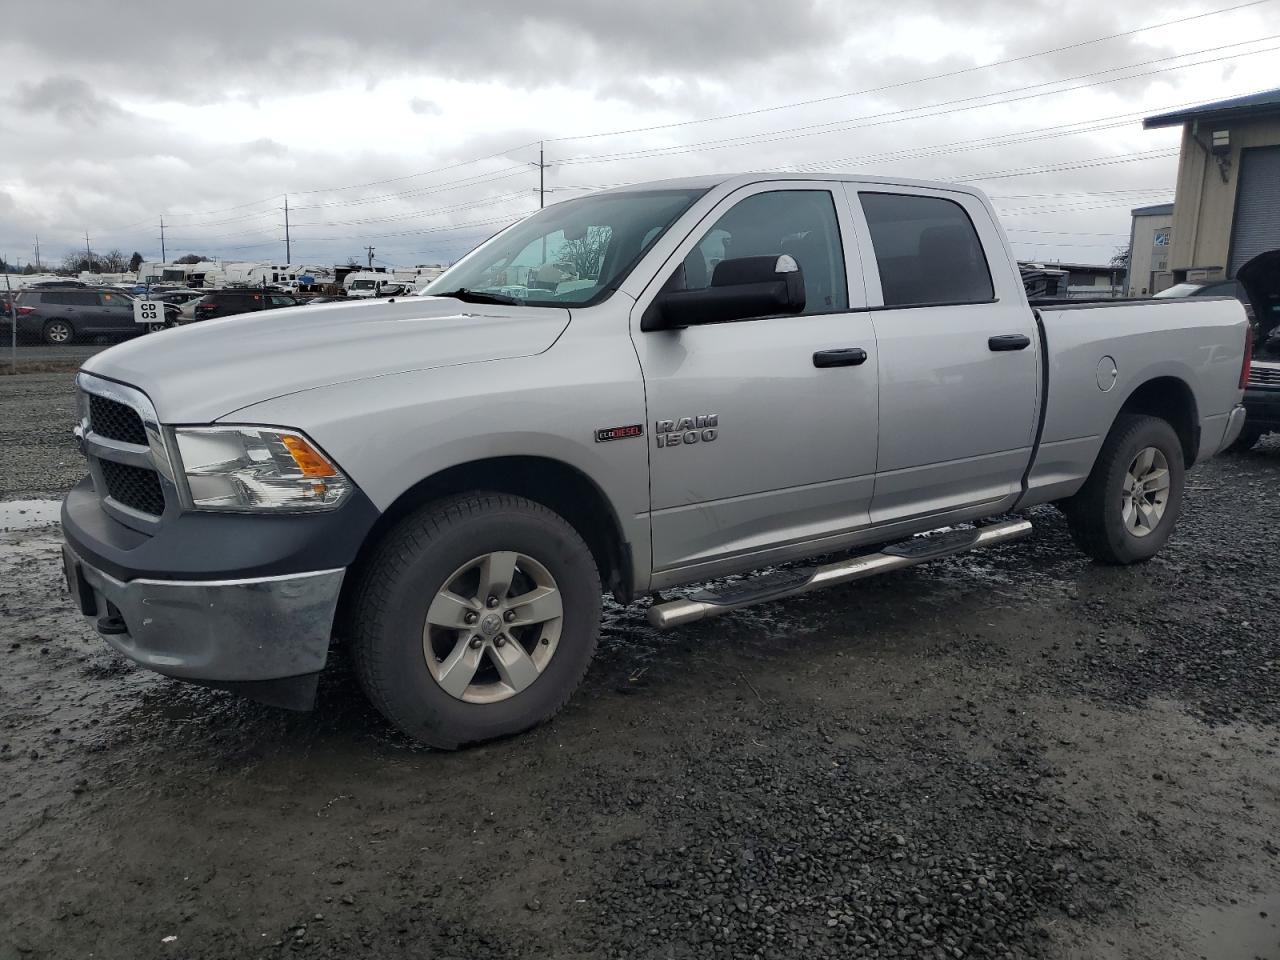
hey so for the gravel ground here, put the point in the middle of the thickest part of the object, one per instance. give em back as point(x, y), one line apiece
point(1015, 753)
point(43, 352)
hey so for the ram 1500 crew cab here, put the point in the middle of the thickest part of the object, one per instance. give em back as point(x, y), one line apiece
point(638, 390)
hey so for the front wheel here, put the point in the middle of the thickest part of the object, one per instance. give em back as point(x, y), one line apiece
point(1129, 505)
point(476, 618)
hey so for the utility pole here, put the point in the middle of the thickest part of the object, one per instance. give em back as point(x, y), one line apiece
point(369, 250)
point(37, 254)
point(288, 249)
point(542, 175)
point(162, 255)
point(88, 254)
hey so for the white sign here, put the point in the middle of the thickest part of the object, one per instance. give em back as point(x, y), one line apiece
point(148, 311)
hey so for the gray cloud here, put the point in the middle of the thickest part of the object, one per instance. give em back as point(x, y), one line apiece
point(70, 99)
point(92, 139)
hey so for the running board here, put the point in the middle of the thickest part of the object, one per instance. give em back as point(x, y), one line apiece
point(791, 583)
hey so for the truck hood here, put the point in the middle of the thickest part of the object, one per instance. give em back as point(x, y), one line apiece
point(207, 370)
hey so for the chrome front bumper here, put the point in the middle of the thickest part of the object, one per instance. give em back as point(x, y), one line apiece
point(1235, 423)
point(216, 631)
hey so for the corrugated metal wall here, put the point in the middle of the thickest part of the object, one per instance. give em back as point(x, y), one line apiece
point(1257, 222)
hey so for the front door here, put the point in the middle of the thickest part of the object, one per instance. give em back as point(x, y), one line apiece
point(755, 443)
point(113, 313)
point(959, 353)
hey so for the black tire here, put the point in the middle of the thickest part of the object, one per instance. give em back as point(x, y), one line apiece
point(1095, 513)
point(1247, 440)
point(58, 333)
point(408, 568)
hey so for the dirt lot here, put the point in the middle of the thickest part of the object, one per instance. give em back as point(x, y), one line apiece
point(1010, 754)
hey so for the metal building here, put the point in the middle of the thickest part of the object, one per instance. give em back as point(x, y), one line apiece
point(1227, 205)
point(1149, 240)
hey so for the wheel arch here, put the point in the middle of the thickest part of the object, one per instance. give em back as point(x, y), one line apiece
point(553, 483)
point(1171, 399)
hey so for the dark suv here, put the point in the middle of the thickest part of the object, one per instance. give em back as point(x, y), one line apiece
point(60, 315)
point(226, 303)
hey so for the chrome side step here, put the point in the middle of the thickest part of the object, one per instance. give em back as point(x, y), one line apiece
point(791, 583)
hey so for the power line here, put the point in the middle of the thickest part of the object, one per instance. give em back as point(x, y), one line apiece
point(899, 116)
point(905, 83)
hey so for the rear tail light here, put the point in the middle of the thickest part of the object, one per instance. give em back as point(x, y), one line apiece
point(26, 311)
point(1247, 365)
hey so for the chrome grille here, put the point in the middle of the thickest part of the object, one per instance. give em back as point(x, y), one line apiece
point(116, 421)
point(1268, 376)
point(128, 458)
point(134, 487)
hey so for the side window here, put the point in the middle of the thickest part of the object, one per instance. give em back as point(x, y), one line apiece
point(277, 301)
point(85, 298)
point(801, 223)
point(113, 300)
point(927, 251)
point(52, 299)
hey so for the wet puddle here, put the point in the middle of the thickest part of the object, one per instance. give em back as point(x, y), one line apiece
point(1243, 931)
point(28, 514)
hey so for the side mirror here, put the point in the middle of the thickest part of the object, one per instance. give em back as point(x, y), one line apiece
point(741, 288)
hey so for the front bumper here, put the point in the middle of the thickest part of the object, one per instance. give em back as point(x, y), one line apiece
point(223, 632)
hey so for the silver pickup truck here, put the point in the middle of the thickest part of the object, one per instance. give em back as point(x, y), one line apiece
point(638, 390)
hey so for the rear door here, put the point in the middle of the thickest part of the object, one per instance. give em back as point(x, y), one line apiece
point(755, 443)
point(959, 367)
point(83, 307)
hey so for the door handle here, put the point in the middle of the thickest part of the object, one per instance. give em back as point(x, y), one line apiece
point(1009, 341)
point(841, 357)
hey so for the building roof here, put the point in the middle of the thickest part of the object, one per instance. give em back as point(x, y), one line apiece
point(1156, 210)
point(1254, 104)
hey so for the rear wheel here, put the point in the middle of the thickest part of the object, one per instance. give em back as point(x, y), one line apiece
point(1129, 505)
point(476, 618)
point(58, 332)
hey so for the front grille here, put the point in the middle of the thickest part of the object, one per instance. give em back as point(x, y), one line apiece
point(1264, 376)
point(115, 421)
point(134, 487)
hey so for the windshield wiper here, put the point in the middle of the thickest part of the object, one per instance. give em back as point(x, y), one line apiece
point(478, 296)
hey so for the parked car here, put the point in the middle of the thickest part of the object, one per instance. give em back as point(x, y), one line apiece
point(749, 371)
point(178, 297)
point(60, 315)
point(226, 303)
point(1217, 288)
point(1261, 279)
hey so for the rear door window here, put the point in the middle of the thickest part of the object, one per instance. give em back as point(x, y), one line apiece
point(927, 251)
point(82, 298)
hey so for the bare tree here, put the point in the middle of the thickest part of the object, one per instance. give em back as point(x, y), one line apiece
point(113, 261)
point(1120, 258)
point(135, 261)
point(586, 253)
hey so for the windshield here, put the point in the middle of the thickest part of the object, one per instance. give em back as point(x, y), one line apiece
point(1180, 290)
point(576, 252)
point(362, 284)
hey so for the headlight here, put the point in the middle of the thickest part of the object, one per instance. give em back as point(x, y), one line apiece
point(258, 469)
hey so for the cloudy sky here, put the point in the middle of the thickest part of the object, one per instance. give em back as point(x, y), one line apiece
point(414, 126)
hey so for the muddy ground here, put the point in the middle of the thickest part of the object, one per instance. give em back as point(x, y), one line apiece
point(1010, 754)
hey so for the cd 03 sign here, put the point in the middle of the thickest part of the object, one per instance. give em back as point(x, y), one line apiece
point(148, 312)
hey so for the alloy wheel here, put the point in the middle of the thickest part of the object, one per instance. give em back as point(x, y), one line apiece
point(493, 627)
point(1145, 495)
